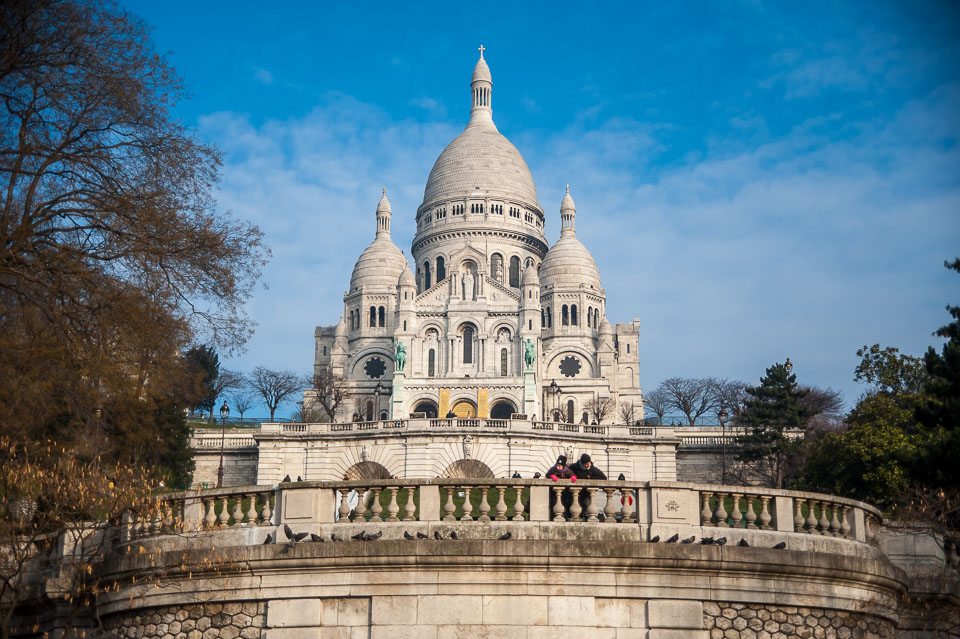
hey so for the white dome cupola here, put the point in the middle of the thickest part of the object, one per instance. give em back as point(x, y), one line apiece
point(568, 263)
point(380, 265)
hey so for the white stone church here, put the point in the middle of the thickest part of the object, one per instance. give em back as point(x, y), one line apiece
point(492, 320)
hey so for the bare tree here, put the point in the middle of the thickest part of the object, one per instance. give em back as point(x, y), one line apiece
point(728, 395)
point(658, 402)
point(599, 408)
point(244, 398)
point(692, 397)
point(627, 412)
point(223, 383)
point(328, 390)
point(275, 387)
point(827, 406)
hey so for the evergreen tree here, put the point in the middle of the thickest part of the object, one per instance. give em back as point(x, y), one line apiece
point(204, 365)
point(774, 417)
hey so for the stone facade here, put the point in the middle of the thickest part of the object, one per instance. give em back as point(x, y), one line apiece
point(726, 620)
point(192, 621)
point(487, 284)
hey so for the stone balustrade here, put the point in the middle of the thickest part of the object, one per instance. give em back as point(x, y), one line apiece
point(653, 506)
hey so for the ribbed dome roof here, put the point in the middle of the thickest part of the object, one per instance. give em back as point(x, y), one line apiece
point(379, 266)
point(480, 157)
point(407, 278)
point(568, 263)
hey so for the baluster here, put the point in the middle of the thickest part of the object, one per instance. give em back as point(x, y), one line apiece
point(410, 510)
point(210, 519)
point(629, 506)
point(376, 507)
point(392, 507)
point(824, 524)
point(238, 511)
point(575, 509)
point(484, 504)
point(765, 516)
point(449, 506)
point(558, 504)
point(751, 513)
point(467, 505)
point(798, 515)
point(252, 510)
point(592, 509)
point(834, 521)
point(344, 506)
point(811, 523)
point(609, 508)
point(706, 515)
point(721, 512)
point(166, 522)
point(518, 505)
point(736, 516)
point(501, 504)
point(844, 523)
point(360, 512)
point(874, 529)
point(266, 514)
point(224, 516)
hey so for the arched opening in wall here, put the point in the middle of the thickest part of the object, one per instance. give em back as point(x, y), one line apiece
point(419, 281)
point(571, 409)
point(381, 315)
point(515, 272)
point(366, 470)
point(584, 418)
point(549, 317)
point(502, 409)
point(468, 468)
point(503, 362)
point(426, 406)
point(373, 317)
point(465, 409)
point(383, 415)
point(565, 317)
point(441, 269)
point(467, 344)
point(543, 318)
point(496, 267)
point(368, 410)
point(426, 275)
point(573, 316)
point(432, 363)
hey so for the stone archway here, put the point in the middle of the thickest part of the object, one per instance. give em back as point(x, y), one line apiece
point(367, 470)
point(468, 468)
point(427, 406)
point(464, 409)
point(502, 409)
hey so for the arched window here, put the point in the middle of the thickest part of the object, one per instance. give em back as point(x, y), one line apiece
point(426, 275)
point(515, 272)
point(432, 363)
point(628, 348)
point(441, 270)
point(369, 410)
point(543, 318)
point(419, 282)
point(380, 316)
point(573, 315)
point(585, 418)
point(549, 317)
point(496, 267)
point(468, 345)
point(503, 362)
point(589, 316)
point(570, 410)
point(351, 320)
point(373, 317)
point(564, 318)
point(324, 350)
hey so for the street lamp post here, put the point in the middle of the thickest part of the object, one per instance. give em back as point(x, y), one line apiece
point(722, 416)
point(555, 390)
point(376, 394)
point(224, 411)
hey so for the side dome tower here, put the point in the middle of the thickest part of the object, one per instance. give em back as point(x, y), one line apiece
point(379, 266)
point(568, 263)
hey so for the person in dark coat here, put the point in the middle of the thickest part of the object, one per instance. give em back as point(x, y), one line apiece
point(558, 471)
point(584, 469)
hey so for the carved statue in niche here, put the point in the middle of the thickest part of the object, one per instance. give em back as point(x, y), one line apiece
point(469, 291)
point(496, 268)
point(467, 446)
point(503, 336)
point(364, 454)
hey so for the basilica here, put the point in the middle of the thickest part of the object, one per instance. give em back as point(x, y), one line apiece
point(491, 321)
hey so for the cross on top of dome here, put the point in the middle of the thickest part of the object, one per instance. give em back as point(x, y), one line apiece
point(481, 49)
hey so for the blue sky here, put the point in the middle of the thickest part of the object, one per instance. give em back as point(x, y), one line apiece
point(755, 181)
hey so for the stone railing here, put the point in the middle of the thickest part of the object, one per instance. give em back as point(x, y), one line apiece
point(655, 506)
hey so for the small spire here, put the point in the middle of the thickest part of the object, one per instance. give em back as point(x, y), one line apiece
point(481, 89)
point(482, 49)
point(383, 214)
point(568, 211)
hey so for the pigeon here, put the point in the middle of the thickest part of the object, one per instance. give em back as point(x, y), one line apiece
point(743, 542)
point(706, 541)
point(360, 536)
point(299, 478)
point(506, 535)
point(780, 546)
point(293, 537)
point(288, 531)
point(407, 535)
point(285, 478)
point(453, 534)
point(268, 540)
point(655, 539)
point(316, 537)
point(721, 541)
point(672, 539)
point(420, 535)
point(688, 540)
point(437, 535)
point(374, 536)
point(335, 537)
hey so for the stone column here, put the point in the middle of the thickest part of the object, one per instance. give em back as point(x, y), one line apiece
point(396, 403)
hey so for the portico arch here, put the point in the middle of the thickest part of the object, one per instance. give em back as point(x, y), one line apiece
point(502, 409)
point(367, 470)
point(427, 406)
point(468, 468)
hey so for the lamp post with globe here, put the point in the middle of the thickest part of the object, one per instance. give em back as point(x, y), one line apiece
point(224, 412)
point(722, 416)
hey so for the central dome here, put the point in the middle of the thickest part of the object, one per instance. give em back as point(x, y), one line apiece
point(480, 157)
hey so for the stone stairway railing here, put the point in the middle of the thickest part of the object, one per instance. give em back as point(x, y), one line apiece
point(655, 506)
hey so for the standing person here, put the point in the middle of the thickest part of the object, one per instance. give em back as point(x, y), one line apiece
point(516, 474)
point(558, 471)
point(584, 469)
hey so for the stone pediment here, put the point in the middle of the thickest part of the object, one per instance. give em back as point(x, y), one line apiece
point(468, 252)
point(436, 295)
point(493, 285)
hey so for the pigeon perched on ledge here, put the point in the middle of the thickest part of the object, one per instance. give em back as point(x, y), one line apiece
point(780, 546)
point(743, 543)
point(335, 537)
point(421, 535)
point(407, 535)
point(707, 541)
point(268, 540)
point(506, 535)
point(689, 540)
point(672, 539)
point(316, 537)
point(721, 541)
point(655, 539)
point(437, 535)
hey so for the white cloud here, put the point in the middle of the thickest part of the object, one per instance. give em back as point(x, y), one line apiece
point(262, 76)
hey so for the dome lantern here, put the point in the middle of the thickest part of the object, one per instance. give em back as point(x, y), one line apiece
point(481, 88)
point(383, 215)
point(568, 212)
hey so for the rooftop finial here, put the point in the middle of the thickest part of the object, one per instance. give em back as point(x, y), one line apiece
point(568, 188)
point(385, 190)
point(481, 49)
